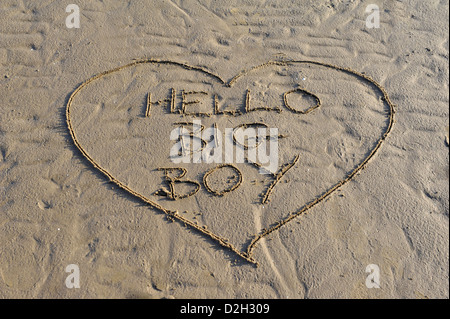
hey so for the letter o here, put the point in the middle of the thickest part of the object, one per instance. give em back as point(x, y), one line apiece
point(227, 190)
point(290, 108)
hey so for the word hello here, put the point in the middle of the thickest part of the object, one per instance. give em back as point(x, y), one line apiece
point(191, 99)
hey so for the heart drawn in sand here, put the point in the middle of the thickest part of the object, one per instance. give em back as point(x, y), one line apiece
point(330, 122)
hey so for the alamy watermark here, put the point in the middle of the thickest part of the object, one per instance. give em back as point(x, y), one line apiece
point(373, 279)
point(247, 143)
point(73, 280)
point(373, 19)
point(73, 19)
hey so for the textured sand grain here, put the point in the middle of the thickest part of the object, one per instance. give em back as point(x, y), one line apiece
point(55, 209)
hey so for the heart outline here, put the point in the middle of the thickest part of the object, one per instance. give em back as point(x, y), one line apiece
point(246, 255)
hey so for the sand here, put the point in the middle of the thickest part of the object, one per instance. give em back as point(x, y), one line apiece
point(83, 187)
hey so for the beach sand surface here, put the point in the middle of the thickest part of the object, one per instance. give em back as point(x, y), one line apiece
point(58, 209)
